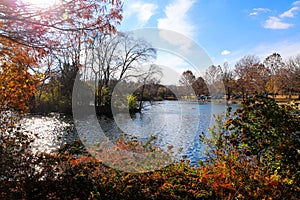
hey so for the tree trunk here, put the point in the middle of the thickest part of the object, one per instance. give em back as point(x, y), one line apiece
point(141, 98)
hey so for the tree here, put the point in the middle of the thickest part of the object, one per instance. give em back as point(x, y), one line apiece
point(274, 63)
point(261, 76)
point(151, 76)
point(34, 27)
point(227, 78)
point(17, 87)
point(30, 35)
point(257, 147)
point(187, 78)
point(291, 75)
point(200, 87)
point(27, 34)
point(243, 70)
point(186, 81)
point(213, 78)
point(113, 58)
point(131, 54)
point(30, 32)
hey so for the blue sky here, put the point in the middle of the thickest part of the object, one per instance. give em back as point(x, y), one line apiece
point(226, 29)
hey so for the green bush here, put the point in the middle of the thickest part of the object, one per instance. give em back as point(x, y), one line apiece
point(269, 131)
point(255, 153)
point(132, 102)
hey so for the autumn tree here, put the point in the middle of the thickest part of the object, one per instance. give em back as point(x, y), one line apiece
point(261, 76)
point(41, 30)
point(291, 76)
point(27, 35)
point(61, 67)
point(243, 70)
point(274, 64)
point(30, 35)
point(187, 78)
point(29, 25)
point(200, 87)
point(17, 86)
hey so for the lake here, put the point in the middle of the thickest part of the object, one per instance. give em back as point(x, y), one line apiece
point(173, 123)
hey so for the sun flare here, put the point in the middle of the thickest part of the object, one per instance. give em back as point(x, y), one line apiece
point(40, 3)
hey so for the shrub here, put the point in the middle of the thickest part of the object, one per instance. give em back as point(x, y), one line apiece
point(255, 154)
point(269, 131)
point(132, 103)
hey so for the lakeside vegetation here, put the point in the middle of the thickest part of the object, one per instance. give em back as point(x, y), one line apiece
point(252, 154)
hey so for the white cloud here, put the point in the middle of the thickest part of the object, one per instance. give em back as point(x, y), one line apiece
point(177, 17)
point(256, 11)
point(177, 20)
point(225, 52)
point(262, 9)
point(231, 58)
point(143, 11)
point(296, 3)
point(253, 13)
point(290, 13)
point(276, 23)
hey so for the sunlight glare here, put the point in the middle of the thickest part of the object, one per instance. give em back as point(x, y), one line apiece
point(40, 3)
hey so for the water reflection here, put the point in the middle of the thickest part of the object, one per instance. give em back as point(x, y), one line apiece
point(174, 123)
point(49, 131)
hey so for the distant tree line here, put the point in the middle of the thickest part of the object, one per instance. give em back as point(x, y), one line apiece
point(272, 76)
point(119, 58)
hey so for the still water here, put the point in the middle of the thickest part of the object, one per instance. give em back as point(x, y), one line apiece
point(173, 123)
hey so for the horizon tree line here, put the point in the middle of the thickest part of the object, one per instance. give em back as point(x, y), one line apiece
point(249, 76)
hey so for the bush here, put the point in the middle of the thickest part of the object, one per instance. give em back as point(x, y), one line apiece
point(132, 103)
point(269, 131)
point(255, 154)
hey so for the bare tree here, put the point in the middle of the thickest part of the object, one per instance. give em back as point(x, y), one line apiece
point(213, 78)
point(113, 58)
point(291, 76)
point(243, 70)
point(186, 82)
point(261, 76)
point(227, 78)
point(152, 75)
point(132, 52)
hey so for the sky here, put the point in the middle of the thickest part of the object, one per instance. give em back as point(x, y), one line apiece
point(226, 29)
